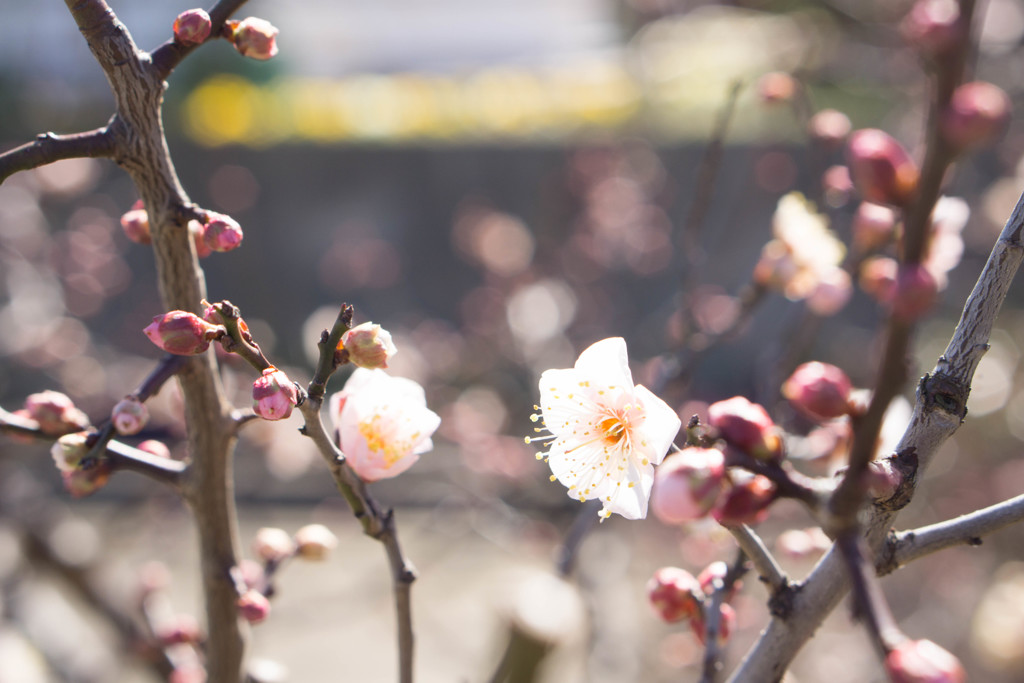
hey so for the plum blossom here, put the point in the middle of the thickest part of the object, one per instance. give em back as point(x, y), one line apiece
point(605, 435)
point(804, 256)
point(382, 423)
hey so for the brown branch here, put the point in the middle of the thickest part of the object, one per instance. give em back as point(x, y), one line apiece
point(768, 570)
point(378, 524)
point(49, 147)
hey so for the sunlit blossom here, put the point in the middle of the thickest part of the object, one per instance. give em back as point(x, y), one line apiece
point(804, 253)
point(383, 423)
point(604, 435)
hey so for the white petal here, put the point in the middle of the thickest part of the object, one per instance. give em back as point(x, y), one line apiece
point(606, 362)
point(661, 424)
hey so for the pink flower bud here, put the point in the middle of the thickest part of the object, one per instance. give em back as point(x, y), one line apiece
point(195, 229)
point(687, 484)
point(135, 223)
point(776, 86)
point(747, 427)
point(831, 293)
point(315, 541)
point(873, 226)
point(674, 594)
point(254, 38)
point(922, 661)
point(819, 390)
point(55, 413)
point(274, 395)
point(192, 27)
point(915, 292)
point(883, 479)
point(254, 607)
point(154, 447)
point(368, 346)
point(182, 333)
point(978, 114)
point(726, 624)
point(221, 233)
point(273, 545)
point(882, 170)
point(829, 127)
point(69, 450)
point(716, 570)
point(182, 629)
point(933, 27)
point(878, 277)
point(129, 415)
point(746, 503)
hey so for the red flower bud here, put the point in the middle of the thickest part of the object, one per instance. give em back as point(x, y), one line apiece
point(129, 415)
point(922, 661)
point(978, 114)
point(746, 503)
point(181, 333)
point(747, 427)
point(819, 390)
point(135, 223)
point(873, 226)
point(255, 38)
point(915, 292)
point(674, 594)
point(192, 27)
point(83, 482)
point(274, 395)
point(882, 171)
point(253, 606)
point(69, 450)
point(221, 233)
point(687, 485)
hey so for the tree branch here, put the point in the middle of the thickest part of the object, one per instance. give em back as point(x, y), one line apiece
point(768, 570)
point(49, 147)
point(903, 547)
point(938, 412)
point(376, 523)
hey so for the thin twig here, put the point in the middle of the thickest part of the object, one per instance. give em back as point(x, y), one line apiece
point(768, 570)
point(903, 547)
point(170, 54)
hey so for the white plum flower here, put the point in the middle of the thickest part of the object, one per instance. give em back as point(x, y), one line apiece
point(382, 423)
point(605, 434)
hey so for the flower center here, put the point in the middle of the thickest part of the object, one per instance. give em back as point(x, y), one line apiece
point(614, 427)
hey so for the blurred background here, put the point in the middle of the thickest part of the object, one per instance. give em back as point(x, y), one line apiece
point(499, 184)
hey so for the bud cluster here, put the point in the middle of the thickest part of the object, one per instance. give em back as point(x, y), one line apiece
point(695, 482)
point(677, 596)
